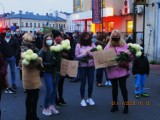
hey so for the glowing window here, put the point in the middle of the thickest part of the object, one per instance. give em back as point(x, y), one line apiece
point(129, 26)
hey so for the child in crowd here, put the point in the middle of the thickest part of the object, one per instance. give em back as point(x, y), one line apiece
point(140, 70)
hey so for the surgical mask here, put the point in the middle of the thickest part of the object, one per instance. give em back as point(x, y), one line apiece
point(49, 42)
point(8, 34)
point(94, 40)
point(116, 39)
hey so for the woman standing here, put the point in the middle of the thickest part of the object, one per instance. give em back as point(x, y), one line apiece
point(86, 68)
point(49, 66)
point(118, 74)
point(31, 78)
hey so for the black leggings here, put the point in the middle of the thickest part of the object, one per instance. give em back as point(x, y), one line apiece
point(123, 88)
point(60, 88)
point(31, 103)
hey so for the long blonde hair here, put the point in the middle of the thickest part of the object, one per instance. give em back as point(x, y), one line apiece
point(121, 42)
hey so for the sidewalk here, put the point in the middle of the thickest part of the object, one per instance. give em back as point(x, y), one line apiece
point(155, 69)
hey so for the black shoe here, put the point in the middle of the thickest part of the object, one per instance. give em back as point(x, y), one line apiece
point(62, 102)
point(125, 111)
point(114, 108)
point(14, 86)
point(75, 80)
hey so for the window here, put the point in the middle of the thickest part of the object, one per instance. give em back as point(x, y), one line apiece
point(43, 25)
point(110, 26)
point(30, 24)
point(35, 25)
point(39, 25)
point(26, 24)
point(21, 24)
point(129, 26)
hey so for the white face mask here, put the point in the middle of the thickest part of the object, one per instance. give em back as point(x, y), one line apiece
point(49, 42)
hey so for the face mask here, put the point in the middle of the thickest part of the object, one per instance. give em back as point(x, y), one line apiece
point(94, 40)
point(58, 40)
point(49, 42)
point(8, 34)
point(115, 39)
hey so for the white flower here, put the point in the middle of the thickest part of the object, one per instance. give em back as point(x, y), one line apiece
point(52, 48)
point(29, 51)
point(28, 57)
point(69, 47)
point(99, 47)
point(138, 54)
point(25, 62)
point(34, 56)
point(23, 55)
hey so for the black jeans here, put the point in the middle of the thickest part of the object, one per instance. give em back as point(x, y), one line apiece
point(31, 103)
point(123, 88)
point(99, 75)
point(60, 87)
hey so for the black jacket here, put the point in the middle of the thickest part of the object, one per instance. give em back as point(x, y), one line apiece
point(11, 48)
point(48, 60)
point(141, 66)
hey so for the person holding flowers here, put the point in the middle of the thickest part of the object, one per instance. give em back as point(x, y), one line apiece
point(48, 75)
point(140, 70)
point(30, 75)
point(86, 67)
point(117, 73)
point(61, 50)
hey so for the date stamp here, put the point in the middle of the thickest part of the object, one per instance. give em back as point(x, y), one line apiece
point(133, 103)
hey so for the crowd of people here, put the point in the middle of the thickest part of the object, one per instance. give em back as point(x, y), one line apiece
point(47, 66)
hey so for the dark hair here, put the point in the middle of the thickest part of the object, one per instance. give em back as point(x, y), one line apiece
point(83, 41)
point(45, 47)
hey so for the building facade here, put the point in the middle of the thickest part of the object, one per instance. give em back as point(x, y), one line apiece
point(129, 19)
point(32, 22)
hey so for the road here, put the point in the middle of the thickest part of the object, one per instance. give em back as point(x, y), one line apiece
point(13, 105)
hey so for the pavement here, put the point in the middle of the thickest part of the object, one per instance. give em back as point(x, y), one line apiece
point(13, 105)
point(155, 69)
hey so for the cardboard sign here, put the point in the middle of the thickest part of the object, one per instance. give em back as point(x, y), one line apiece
point(104, 58)
point(69, 67)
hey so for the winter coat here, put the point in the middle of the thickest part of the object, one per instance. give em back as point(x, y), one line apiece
point(49, 60)
point(80, 53)
point(3, 70)
point(117, 71)
point(30, 73)
point(140, 66)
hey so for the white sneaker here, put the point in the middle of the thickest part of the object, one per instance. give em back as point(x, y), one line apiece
point(106, 83)
point(47, 112)
point(83, 103)
point(110, 84)
point(53, 109)
point(90, 101)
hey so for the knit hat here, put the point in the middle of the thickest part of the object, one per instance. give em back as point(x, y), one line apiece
point(55, 33)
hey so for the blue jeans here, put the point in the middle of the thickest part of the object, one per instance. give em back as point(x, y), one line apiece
point(139, 83)
point(12, 64)
point(50, 91)
point(86, 73)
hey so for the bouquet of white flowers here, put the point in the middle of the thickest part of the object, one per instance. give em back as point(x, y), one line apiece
point(28, 56)
point(124, 58)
